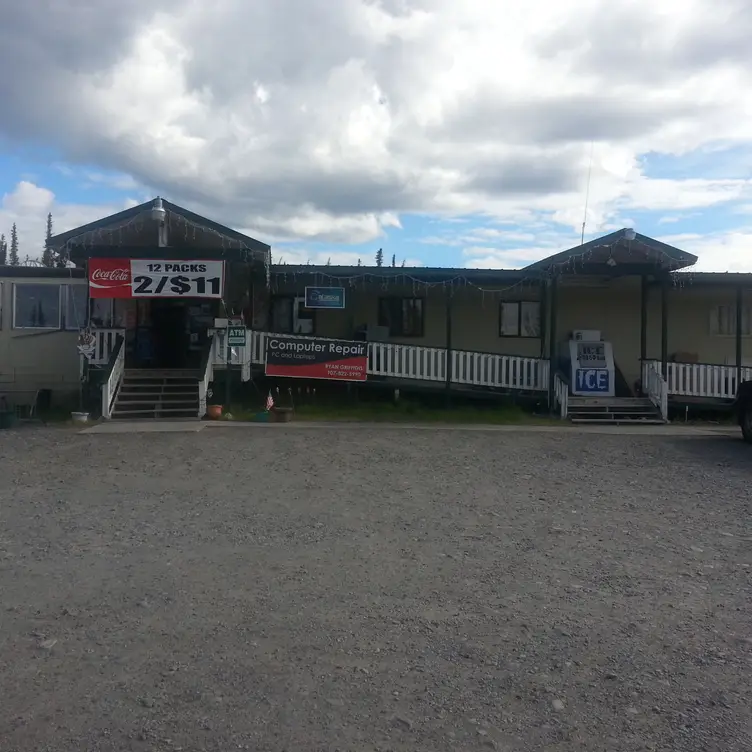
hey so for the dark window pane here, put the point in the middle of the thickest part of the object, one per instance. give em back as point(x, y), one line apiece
point(75, 308)
point(36, 306)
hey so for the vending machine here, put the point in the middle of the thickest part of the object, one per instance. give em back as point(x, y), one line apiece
point(592, 372)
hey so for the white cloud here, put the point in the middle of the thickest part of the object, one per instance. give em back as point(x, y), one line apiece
point(28, 205)
point(328, 121)
point(720, 251)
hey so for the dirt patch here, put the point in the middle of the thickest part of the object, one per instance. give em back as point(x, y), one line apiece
point(347, 589)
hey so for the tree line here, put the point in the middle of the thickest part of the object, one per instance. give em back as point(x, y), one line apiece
point(10, 254)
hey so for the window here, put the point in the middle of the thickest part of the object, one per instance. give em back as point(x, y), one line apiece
point(76, 301)
point(723, 321)
point(405, 317)
point(290, 316)
point(36, 306)
point(519, 319)
point(101, 313)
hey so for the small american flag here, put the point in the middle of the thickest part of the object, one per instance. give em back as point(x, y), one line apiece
point(269, 402)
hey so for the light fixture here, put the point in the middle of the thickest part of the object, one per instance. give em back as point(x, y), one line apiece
point(629, 233)
point(158, 212)
point(611, 261)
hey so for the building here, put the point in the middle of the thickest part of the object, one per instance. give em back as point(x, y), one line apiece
point(619, 324)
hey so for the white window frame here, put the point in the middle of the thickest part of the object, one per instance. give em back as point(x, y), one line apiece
point(66, 298)
point(57, 326)
point(520, 333)
point(723, 317)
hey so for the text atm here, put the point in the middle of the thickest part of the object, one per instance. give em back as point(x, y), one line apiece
point(592, 365)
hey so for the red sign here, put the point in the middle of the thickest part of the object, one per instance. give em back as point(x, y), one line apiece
point(311, 358)
point(155, 278)
point(110, 278)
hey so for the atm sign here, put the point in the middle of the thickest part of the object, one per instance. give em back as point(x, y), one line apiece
point(593, 380)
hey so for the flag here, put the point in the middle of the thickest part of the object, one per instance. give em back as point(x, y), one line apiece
point(269, 402)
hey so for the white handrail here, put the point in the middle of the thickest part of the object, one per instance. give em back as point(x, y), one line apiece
point(703, 379)
point(208, 376)
point(655, 386)
point(429, 364)
point(105, 341)
point(561, 395)
point(111, 387)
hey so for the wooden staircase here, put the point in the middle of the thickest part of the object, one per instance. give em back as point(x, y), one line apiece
point(613, 410)
point(165, 393)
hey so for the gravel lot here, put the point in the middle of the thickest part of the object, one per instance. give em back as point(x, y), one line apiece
point(387, 589)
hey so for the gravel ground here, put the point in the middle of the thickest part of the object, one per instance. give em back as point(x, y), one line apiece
point(386, 589)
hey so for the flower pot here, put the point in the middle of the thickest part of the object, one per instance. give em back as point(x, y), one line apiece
point(80, 417)
point(282, 414)
point(214, 412)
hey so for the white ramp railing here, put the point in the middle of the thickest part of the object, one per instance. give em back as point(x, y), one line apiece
point(655, 386)
point(703, 379)
point(561, 395)
point(111, 387)
point(430, 364)
point(207, 376)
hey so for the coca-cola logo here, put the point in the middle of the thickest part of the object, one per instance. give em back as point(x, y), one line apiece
point(111, 276)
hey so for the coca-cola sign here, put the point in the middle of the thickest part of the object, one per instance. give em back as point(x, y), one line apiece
point(110, 278)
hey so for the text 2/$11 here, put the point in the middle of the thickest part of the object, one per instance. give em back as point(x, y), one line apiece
point(180, 285)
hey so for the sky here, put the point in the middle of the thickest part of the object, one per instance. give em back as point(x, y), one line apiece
point(472, 134)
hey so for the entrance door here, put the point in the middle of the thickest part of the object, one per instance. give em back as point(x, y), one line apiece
point(168, 325)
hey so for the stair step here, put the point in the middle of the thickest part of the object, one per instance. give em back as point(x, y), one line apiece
point(154, 382)
point(612, 421)
point(150, 413)
point(138, 393)
point(172, 403)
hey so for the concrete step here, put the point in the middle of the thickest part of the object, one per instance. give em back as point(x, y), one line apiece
point(162, 373)
point(155, 395)
point(190, 401)
point(174, 412)
point(620, 420)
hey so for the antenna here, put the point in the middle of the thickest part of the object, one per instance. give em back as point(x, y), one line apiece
point(587, 193)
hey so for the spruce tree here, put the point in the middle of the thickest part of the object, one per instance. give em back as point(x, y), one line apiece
point(13, 259)
point(48, 255)
point(3, 251)
point(394, 259)
point(379, 257)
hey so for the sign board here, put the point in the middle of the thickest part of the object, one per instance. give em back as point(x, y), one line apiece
point(87, 343)
point(593, 372)
point(591, 354)
point(155, 278)
point(312, 358)
point(236, 335)
point(325, 297)
point(593, 381)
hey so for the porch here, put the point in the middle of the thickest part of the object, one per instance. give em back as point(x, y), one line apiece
point(452, 369)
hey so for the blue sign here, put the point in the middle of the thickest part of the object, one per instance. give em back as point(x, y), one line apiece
point(325, 297)
point(592, 380)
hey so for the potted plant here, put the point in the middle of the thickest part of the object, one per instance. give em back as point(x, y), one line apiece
point(214, 412)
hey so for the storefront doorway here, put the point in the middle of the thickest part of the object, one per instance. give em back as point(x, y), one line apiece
point(159, 333)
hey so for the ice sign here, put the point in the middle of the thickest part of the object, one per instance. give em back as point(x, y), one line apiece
point(591, 354)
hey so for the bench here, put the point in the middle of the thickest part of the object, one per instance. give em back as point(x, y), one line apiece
point(22, 402)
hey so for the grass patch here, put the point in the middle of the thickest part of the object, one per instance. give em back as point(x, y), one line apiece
point(407, 411)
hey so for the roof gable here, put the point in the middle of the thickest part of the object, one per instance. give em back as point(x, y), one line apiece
point(623, 247)
point(117, 220)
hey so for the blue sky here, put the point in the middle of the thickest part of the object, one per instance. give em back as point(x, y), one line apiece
point(438, 132)
point(85, 192)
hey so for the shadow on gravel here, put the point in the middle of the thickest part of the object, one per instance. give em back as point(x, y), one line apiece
point(723, 449)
